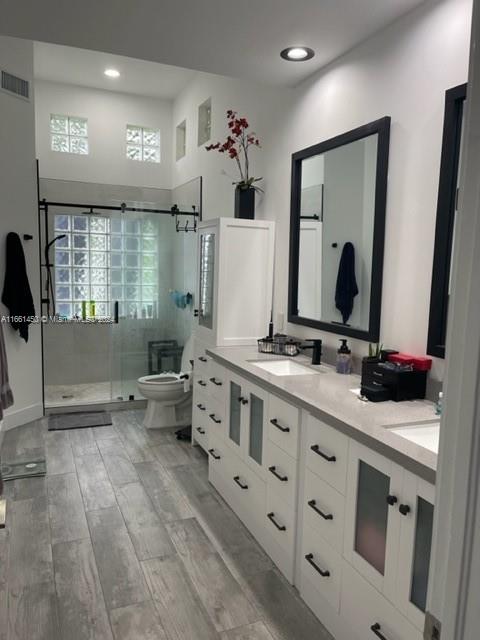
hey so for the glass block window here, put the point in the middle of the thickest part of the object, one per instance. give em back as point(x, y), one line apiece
point(69, 134)
point(143, 144)
point(105, 260)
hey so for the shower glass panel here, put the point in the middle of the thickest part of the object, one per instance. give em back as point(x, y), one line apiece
point(117, 290)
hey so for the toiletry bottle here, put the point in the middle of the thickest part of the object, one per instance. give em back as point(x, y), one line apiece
point(84, 309)
point(439, 404)
point(344, 358)
point(92, 308)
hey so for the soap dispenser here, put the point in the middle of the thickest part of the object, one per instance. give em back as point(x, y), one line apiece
point(344, 358)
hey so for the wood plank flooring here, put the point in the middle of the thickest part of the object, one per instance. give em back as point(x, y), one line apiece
point(125, 539)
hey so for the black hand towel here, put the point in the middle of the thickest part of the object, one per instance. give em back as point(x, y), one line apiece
point(17, 296)
point(346, 288)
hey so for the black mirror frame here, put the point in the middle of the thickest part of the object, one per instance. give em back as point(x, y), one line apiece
point(382, 128)
point(446, 205)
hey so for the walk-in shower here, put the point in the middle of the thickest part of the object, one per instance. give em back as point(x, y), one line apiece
point(118, 279)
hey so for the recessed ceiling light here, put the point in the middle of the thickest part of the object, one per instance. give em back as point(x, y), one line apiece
point(297, 54)
point(112, 73)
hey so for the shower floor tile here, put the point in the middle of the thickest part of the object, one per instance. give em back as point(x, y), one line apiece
point(72, 394)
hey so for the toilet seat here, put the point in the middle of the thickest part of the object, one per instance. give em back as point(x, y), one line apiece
point(162, 378)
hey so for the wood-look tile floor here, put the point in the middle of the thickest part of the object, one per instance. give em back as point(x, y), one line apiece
point(125, 539)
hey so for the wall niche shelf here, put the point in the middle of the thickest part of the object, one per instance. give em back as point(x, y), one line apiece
point(204, 122)
point(181, 140)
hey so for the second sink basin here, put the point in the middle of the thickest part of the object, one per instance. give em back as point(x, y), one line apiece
point(425, 434)
point(284, 367)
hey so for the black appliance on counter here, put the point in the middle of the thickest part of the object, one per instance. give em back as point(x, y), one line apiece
point(383, 380)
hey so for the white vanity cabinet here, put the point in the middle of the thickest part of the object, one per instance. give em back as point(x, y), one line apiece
point(235, 280)
point(348, 526)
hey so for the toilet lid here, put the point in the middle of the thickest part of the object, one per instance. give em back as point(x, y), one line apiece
point(187, 355)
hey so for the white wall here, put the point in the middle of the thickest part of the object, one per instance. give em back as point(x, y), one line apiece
point(18, 213)
point(261, 106)
point(108, 114)
point(402, 72)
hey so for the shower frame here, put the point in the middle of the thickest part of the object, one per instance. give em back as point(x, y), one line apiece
point(44, 206)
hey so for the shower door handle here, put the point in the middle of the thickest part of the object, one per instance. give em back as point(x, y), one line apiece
point(115, 312)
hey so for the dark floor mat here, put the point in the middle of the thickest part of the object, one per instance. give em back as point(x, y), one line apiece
point(17, 470)
point(61, 421)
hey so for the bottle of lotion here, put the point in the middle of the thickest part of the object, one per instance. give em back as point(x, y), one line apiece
point(344, 358)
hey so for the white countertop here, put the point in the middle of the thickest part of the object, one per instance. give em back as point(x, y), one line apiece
point(328, 395)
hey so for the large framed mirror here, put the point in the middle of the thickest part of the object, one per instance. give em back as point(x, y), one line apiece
point(445, 225)
point(337, 229)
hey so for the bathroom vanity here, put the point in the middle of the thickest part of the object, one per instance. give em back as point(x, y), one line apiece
point(337, 491)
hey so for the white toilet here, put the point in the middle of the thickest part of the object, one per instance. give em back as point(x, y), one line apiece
point(169, 395)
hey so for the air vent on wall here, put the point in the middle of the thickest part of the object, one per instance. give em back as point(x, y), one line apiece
point(15, 85)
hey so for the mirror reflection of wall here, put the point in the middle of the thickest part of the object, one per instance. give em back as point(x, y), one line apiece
point(337, 207)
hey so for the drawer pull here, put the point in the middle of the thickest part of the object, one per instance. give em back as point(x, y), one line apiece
point(376, 630)
point(212, 417)
point(242, 486)
point(273, 470)
point(201, 431)
point(404, 509)
point(201, 407)
point(316, 449)
point(323, 572)
point(274, 421)
point(391, 500)
point(313, 505)
point(203, 359)
point(202, 383)
point(216, 382)
point(242, 400)
point(271, 517)
point(213, 454)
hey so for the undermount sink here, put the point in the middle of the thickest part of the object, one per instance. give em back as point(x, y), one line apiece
point(284, 367)
point(425, 434)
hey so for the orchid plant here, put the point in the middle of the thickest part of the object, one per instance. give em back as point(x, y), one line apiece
point(237, 145)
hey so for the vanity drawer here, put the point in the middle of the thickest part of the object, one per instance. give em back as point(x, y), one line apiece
point(247, 485)
point(281, 473)
point(200, 436)
point(218, 456)
point(200, 383)
point(279, 521)
point(217, 380)
point(327, 453)
point(215, 417)
point(201, 362)
point(322, 566)
point(324, 510)
point(363, 607)
point(283, 421)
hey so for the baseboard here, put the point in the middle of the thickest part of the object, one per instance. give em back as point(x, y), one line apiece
point(12, 419)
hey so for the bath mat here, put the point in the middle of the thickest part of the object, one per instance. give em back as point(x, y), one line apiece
point(17, 470)
point(60, 421)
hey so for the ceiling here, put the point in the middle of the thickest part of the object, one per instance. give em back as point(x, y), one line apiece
point(70, 65)
point(241, 39)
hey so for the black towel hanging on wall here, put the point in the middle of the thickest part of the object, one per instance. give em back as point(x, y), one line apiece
point(346, 288)
point(17, 295)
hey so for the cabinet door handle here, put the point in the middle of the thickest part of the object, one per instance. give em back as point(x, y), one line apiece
point(213, 454)
point(212, 417)
point(271, 517)
point(201, 407)
point(216, 382)
point(316, 449)
point(313, 505)
point(201, 431)
point(392, 500)
point(274, 421)
point(203, 359)
point(273, 470)
point(376, 630)
point(323, 572)
point(404, 509)
point(237, 480)
point(243, 400)
point(202, 383)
